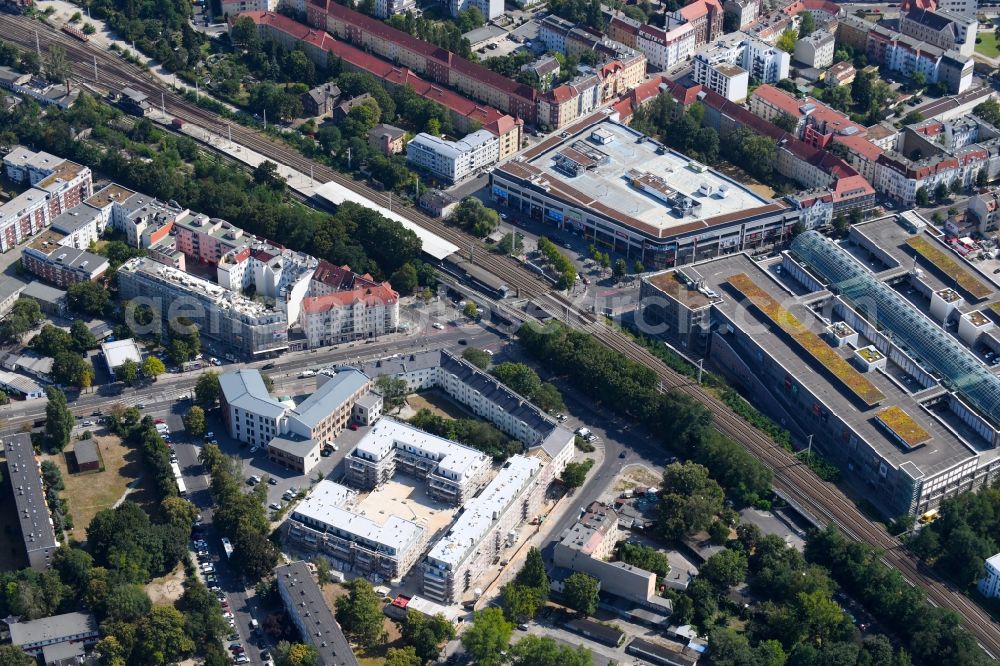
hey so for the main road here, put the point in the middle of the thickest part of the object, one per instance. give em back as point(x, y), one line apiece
point(823, 500)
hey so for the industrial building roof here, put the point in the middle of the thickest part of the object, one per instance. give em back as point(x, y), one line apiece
point(55, 628)
point(648, 186)
point(945, 450)
point(480, 512)
point(328, 396)
point(245, 389)
point(304, 598)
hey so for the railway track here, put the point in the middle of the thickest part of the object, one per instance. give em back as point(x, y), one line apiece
point(791, 477)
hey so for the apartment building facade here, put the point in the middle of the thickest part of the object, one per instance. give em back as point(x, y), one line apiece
point(25, 478)
point(362, 313)
point(453, 161)
point(944, 29)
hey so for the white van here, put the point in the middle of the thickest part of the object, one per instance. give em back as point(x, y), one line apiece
point(583, 432)
point(307, 373)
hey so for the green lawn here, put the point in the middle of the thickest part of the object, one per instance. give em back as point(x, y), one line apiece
point(988, 44)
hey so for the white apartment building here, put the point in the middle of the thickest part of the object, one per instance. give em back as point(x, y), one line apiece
point(746, 11)
point(989, 585)
point(247, 326)
point(816, 49)
point(665, 48)
point(325, 523)
point(453, 472)
point(253, 416)
point(727, 65)
point(386, 8)
point(232, 8)
point(356, 314)
point(454, 161)
point(963, 7)
point(490, 9)
point(482, 532)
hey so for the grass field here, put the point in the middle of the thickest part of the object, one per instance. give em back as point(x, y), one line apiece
point(90, 492)
point(988, 44)
point(12, 549)
point(375, 656)
point(438, 403)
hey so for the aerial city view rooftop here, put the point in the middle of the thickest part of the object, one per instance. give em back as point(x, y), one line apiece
point(528, 333)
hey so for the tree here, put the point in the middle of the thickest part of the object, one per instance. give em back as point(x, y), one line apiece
point(786, 42)
point(244, 34)
point(638, 267)
point(160, 637)
point(266, 174)
point(360, 614)
point(580, 593)
point(24, 315)
point(51, 340)
point(533, 573)
point(941, 192)
point(519, 377)
point(406, 656)
point(83, 339)
point(807, 24)
point(127, 603)
point(405, 279)
point(127, 372)
point(488, 636)
point(725, 569)
point(729, 648)
point(982, 178)
point(957, 186)
point(644, 557)
point(575, 473)
point(544, 651)
point(393, 391)
point(206, 390)
point(70, 368)
point(989, 111)
point(477, 357)
point(12, 655)
point(427, 634)
point(57, 65)
point(59, 421)
point(474, 217)
point(689, 499)
point(923, 199)
point(520, 603)
point(786, 122)
point(194, 421)
point(152, 367)
point(471, 310)
point(88, 298)
point(268, 383)
point(619, 270)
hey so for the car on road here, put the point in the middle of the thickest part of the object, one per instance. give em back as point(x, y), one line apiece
point(463, 341)
point(271, 480)
point(254, 449)
point(209, 435)
point(267, 366)
point(141, 405)
point(438, 325)
point(274, 506)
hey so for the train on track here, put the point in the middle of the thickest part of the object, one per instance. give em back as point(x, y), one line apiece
point(75, 33)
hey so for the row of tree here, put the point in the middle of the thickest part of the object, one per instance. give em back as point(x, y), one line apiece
point(632, 390)
point(241, 516)
point(559, 262)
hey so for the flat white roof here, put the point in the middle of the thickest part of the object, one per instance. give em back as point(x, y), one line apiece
point(630, 150)
point(453, 458)
point(430, 243)
point(119, 351)
point(482, 511)
point(327, 503)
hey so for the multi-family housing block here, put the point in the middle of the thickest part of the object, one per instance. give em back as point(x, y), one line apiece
point(744, 11)
point(704, 17)
point(55, 186)
point(815, 49)
point(25, 478)
point(453, 161)
point(341, 306)
point(253, 416)
point(663, 48)
point(307, 608)
point(944, 29)
point(727, 65)
point(909, 55)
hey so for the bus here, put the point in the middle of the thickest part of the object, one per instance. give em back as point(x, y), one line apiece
point(181, 488)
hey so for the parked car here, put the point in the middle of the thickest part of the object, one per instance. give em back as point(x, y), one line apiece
point(274, 506)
